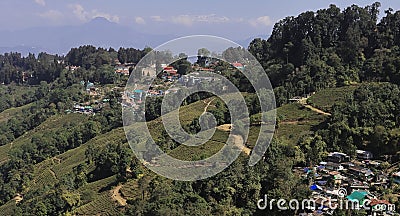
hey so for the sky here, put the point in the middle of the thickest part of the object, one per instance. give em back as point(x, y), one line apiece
point(231, 19)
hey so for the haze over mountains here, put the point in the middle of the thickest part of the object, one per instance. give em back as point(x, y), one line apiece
point(98, 32)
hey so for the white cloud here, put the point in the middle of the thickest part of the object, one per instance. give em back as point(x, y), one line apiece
point(188, 20)
point(140, 20)
point(157, 18)
point(84, 15)
point(211, 18)
point(40, 2)
point(261, 21)
point(52, 15)
point(79, 12)
point(183, 20)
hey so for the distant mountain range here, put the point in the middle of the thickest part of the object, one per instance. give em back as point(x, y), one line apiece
point(98, 32)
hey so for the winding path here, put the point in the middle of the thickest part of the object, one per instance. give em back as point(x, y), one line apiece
point(116, 195)
point(303, 102)
point(237, 138)
point(317, 110)
point(208, 104)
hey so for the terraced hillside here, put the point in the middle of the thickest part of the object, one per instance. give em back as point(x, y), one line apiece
point(98, 197)
point(8, 113)
point(325, 98)
point(52, 124)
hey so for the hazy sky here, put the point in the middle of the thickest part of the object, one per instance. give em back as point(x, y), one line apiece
point(232, 19)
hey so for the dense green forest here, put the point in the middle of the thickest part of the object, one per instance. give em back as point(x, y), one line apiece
point(326, 49)
point(330, 48)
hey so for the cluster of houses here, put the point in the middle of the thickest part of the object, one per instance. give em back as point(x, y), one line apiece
point(194, 79)
point(124, 69)
point(89, 109)
point(82, 109)
point(118, 69)
point(132, 98)
point(95, 105)
point(357, 178)
point(170, 74)
point(90, 88)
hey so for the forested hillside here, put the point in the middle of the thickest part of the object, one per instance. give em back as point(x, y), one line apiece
point(330, 48)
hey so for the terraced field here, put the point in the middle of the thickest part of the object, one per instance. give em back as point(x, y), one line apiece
point(101, 205)
point(325, 99)
point(8, 208)
point(7, 114)
point(64, 163)
point(51, 124)
point(49, 172)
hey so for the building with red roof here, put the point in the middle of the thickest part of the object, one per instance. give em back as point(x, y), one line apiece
point(238, 65)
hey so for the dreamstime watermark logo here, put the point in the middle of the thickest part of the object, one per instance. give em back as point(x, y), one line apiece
point(144, 83)
point(342, 192)
point(320, 203)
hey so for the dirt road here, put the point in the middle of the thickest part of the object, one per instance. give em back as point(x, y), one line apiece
point(237, 139)
point(317, 110)
point(208, 104)
point(116, 195)
point(303, 101)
